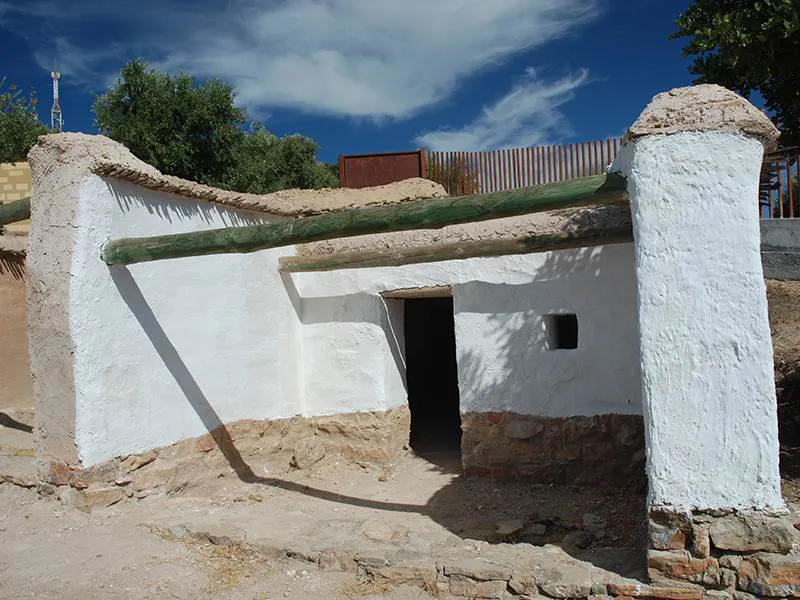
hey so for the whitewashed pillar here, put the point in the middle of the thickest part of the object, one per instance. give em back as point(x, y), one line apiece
point(692, 161)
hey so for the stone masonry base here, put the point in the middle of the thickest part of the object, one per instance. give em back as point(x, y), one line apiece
point(247, 448)
point(731, 555)
point(601, 449)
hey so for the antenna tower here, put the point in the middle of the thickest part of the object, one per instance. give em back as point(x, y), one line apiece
point(56, 123)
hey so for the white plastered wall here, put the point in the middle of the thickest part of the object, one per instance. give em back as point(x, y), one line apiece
point(170, 349)
point(499, 305)
point(708, 387)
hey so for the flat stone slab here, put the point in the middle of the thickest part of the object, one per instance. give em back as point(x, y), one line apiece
point(18, 470)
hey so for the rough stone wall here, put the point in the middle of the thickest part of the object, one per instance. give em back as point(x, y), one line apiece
point(732, 553)
point(601, 449)
point(245, 449)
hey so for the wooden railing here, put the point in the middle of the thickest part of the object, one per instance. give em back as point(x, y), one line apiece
point(778, 193)
point(463, 173)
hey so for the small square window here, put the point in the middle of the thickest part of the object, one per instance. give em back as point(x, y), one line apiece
point(561, 331)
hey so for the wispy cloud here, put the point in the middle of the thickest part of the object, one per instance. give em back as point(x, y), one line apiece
point(528, 115)
point(354, 58)
point(81, 65)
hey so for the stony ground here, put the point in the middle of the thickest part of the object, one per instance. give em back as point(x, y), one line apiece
point(253, 541)
point(229, 539)
point(784, 317)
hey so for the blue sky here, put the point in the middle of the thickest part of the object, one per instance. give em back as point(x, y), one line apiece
point(369, 75)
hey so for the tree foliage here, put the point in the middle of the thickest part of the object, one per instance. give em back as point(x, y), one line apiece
point(19, 125)
point(177, 125)
point(266, 163)
point(194, 130)
point(749, 45)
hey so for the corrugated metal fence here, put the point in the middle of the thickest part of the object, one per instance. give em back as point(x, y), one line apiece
point(364, 170)
point(478, 172)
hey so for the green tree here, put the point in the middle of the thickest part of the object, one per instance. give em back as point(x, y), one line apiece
point(749, 45)
point(193, 130)
point(19, 125)
point(265, 163)
point(177, 125)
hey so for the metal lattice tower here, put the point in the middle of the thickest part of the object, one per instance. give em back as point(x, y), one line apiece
point(56, 122)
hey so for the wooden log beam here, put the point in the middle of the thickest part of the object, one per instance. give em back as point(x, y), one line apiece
point(429, 213)
point(18, 210)
point(393, 257)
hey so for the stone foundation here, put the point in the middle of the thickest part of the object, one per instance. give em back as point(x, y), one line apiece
point(588, 450)
point(246, 449)
point(731, 555)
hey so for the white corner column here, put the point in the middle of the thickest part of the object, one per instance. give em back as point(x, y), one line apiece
point(692, 161)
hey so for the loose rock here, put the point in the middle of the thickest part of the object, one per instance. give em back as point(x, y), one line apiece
point(751, 533)
point(307, 452)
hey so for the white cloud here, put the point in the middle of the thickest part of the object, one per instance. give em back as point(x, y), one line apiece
point(79, 64)
point(358, 58)
point(528, 115)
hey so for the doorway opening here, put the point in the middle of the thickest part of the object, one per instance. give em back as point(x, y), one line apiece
point(432, 376)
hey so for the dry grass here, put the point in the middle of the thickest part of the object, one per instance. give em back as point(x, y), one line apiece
point(784, 321)
point(17, 451)
point(228, 562)
point(363, 589)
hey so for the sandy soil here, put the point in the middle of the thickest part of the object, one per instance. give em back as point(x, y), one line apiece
point(784, 320)
point(49, 551)
point(232, 539)
point(16, 389)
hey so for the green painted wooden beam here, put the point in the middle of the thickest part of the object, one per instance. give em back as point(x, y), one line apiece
point(428, 213)
point(393, 257)
point(18, 210)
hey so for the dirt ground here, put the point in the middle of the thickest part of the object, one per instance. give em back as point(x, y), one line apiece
point(784, 318)
point(257, 541)
point(49, 551)
point(251, 541)
point(16, 388)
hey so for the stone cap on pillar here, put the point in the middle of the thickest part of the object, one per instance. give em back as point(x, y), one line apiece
point(705, 107)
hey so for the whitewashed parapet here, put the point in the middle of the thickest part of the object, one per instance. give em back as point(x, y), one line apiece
point(692, 160)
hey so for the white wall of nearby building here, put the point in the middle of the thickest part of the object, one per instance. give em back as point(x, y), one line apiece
point(500, 307)
point(169, 349)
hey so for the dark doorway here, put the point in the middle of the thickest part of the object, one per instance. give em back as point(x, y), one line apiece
point(432, 376)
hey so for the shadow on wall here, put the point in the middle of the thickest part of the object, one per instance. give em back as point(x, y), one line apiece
point(132, 296)
point(482, 500)
point(519, 333)
point(352, 308)
point(551, 389)
point(522, 338)
point(521, 324)
point(179, 209)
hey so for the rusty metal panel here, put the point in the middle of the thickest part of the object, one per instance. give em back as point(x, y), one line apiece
point(364, 170)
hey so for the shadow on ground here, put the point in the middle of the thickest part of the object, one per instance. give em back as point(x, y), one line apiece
point(602, 524)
